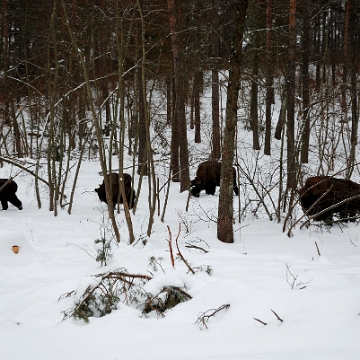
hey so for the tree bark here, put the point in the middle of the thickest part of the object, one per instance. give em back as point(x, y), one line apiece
point(197, 90)
point(290, 128)
point(269, 79)
point(216, 150)
point(305, 82)
point(345, 55)
point(180, 119)
point(353, 91)
point(225, 212)
point(254, 118)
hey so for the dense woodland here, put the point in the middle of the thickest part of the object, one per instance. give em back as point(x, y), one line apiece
point(97, 78)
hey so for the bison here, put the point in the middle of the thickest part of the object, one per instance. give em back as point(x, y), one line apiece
point(129, 191)
point(7, 194)
point(322, 192)
point(208, 177)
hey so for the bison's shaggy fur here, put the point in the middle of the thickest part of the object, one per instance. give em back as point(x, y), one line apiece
point(7, 194)
point(322, 192)
point(129, 191)
point(208, 177)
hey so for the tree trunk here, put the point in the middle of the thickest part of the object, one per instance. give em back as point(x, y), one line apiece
point(353, 91)
point(290, 128)
point(180, 119)
point(254, 118)
point(305, 83)
point(225, 212)
point(269, 79)
point(216, 152)
point(197, 91)
point(141, 93)
point(345, 55)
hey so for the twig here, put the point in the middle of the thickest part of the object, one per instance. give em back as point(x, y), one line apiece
point(317, 248)
point(171, 248)
point(260, 321)
point(330, 208)
point(205, 316)
point(277, 316)
point(308, 210)
point(23, 168)
point(190, 246)
point(180, 254)
point(66, 295)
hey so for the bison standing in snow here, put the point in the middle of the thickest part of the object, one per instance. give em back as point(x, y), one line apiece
point(322, 192)
point(208, 177)
point(129, 191)
point(7, 194)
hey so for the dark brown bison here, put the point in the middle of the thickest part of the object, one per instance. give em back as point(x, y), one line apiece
point(7, 194)
point(334, 191)
point(208, 177)
point(129, 191)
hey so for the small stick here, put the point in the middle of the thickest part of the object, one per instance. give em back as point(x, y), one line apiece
point(260, 321)
point(204, 317)
point(317, 248)
point(277, 316)
point(180, 254)
point(190, 246)
point(170, 248)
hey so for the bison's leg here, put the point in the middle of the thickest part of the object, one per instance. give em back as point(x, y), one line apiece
point(4, 204)
point(195, 191)
point(13, 199)
point(116, 200)
point(130, 198)
point(235, 187)
point(210, 189)
point(236, 190)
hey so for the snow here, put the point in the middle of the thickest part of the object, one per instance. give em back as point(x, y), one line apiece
point(262, 272)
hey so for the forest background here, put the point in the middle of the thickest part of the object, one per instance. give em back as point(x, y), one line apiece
point(83, 79)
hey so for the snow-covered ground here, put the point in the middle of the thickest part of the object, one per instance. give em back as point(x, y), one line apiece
point(264, 275)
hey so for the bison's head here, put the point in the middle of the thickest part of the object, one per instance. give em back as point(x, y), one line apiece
point(101, 193)
point(196, 186)
point(196, 182)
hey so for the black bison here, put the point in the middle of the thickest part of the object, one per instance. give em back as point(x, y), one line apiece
point(208, 177)
point(334, 191)
point(129, 191)
point(7, 194)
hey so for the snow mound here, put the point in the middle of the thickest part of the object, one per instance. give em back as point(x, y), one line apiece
point(10, 238)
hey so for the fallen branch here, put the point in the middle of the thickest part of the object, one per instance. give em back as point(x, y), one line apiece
point(171, 248)
point(205, 316)
point(190, 246)
point(260, 321)
point(173, 296)
point(277, 316)
point(9, 161)
point(330, 208)
point(180, 254)
point(308, 210)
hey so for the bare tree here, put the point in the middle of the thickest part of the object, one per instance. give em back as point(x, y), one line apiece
point(225, 211)
point(305, 83)
point(290, 125)
point(269, 78)
point(174, 10)
point(216, 148)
